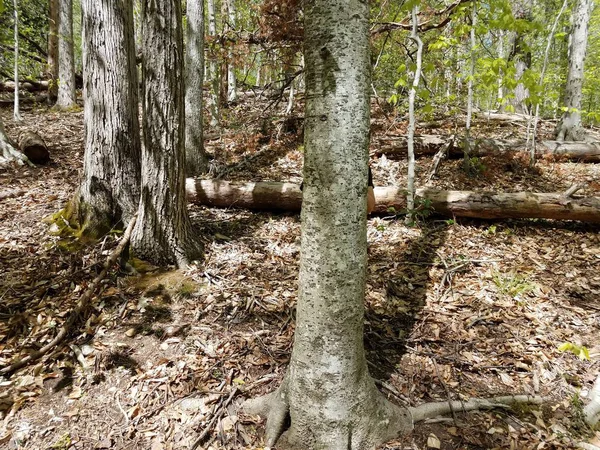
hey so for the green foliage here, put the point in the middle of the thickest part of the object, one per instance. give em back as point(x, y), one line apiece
point(578, 350)
point(512, 284)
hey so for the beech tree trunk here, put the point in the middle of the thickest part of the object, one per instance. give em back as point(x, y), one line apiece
point(231, 81)
point(214, 76)
point(53, 18)
point(110, 189)
point(327, 393)
point(427, 145)
point(196, 160)
point(163, 232)
point(274, 196)
point(66, 66)
point(569, 128)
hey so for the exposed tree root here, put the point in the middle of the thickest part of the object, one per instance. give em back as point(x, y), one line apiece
point(275, 408)
point(82, 305)
point(430, 410)
point(592, 410)
point(11, 154)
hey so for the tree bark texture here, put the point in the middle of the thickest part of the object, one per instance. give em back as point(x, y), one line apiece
point(196, 160)
point(231, 81)
point(214, 76)
point(287, 197)
point(331, 399)
point(520, 54)
point(163, 232)
point(66, 65)
point(569, 128)
point(110, 189)
point(17, 109)
point(427, 145)
point(53, 18)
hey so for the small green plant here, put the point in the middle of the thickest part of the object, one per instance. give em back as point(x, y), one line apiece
point(450, 222)
point(580, 351)
point(187, 289)
point(491, 230)
point(512, 284)
point(473, 166)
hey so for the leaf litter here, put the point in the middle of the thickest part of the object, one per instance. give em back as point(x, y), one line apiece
point(454, 308)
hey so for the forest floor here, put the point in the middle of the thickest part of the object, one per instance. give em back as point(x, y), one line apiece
point(454, 308)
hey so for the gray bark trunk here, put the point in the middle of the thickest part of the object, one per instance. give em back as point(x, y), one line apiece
point(110, 189)
point(521, 55)
point(331, 399)
point(17, 110)
point(231, 81)
point(53, 49)
point(66, 66)
point(163, 230)
point(213, 70)
point(196, 161)
point(569, 128)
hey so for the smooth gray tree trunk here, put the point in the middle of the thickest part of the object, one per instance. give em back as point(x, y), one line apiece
point(16, 110)
point(231, 81)
point(214, 76)
point(110, 189)
point(196, 161)
point(66, 60)
point(53, 18)
point(569, 128)
point(163, 232)
point(328, 394)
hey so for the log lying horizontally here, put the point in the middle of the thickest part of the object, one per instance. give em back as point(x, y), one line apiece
point(34, 147)
point(274, 196)
point(426, 145)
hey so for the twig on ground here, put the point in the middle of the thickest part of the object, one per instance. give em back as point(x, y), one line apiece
point(82, 305)
point(217, 414)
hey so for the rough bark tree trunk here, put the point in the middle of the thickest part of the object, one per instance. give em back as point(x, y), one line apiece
point(163, 232)
point(521, 55)
point(274, 196)
point(196, 160)
point(53, 18)
point(569, 128)
point(66, 66)
point(328, 395)
point(110, 189)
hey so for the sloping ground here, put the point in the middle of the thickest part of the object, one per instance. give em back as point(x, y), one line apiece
point(454, 309)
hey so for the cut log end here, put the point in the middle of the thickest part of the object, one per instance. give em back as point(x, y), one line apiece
point(33, 146)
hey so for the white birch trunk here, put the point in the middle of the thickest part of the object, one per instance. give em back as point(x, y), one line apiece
point(163, 232)
point(110, 189)
point(569, 128)
point(327, 394)
point(196, 161)
point(213, 70)
point(66, 61)
point(16, 110)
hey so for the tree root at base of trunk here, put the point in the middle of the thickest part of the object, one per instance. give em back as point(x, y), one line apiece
point(275, 408)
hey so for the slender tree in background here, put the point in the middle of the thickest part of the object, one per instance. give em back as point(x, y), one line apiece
point(521, 55)
point(16, 111)
point(328, 393)
point(163, 232)
point(231, 81)
point(53, 18)
point(110, 189)
point(214, 76)
point(196, 161)
point(569, 128)
point(66, 60)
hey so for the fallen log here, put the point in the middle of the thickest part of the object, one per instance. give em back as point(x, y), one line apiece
point(428, 145)
point(274, 196)
point(29, 85)
point(33, 146)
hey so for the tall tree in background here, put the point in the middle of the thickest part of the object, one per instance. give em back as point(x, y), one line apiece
point(66, 60)
point(53, 18)
point(521, 54)
point(328, 393)
point(231, 81)
point(214, 75)
point(196, 161)
point(569, 128)
point(110, 190)
point(163, 232)
point(17, 111)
